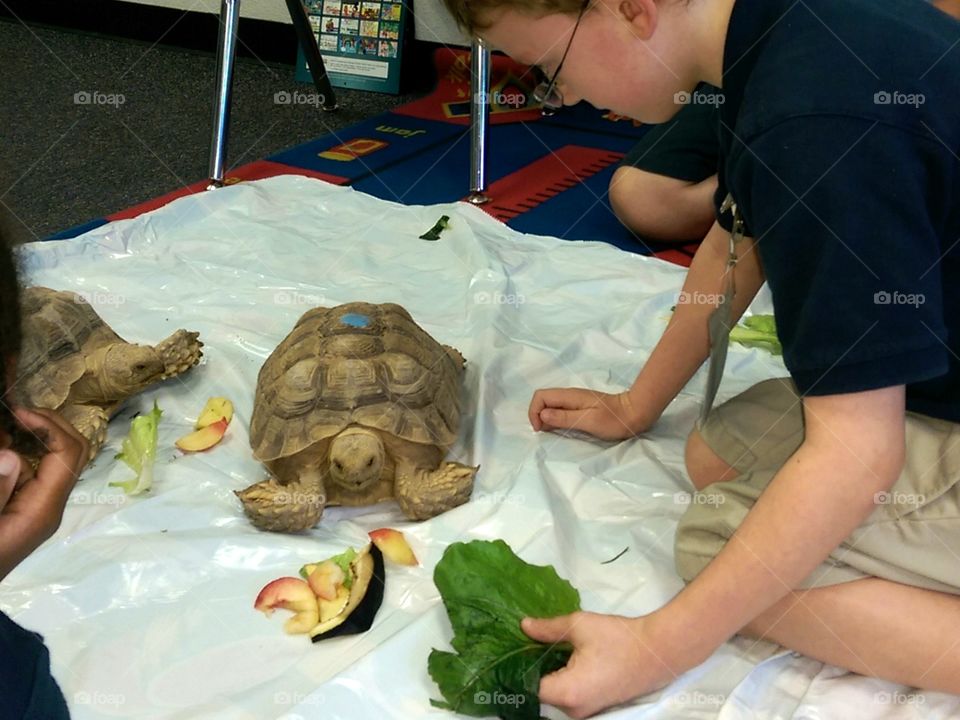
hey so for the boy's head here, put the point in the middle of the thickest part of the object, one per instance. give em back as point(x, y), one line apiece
point(628, 56)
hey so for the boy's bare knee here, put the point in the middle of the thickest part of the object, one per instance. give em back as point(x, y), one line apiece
point(704, 466)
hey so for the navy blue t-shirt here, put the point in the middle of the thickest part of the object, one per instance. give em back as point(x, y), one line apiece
point(840, 142)
point(27, 689)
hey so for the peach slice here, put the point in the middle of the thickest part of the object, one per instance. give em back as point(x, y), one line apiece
point(325, 579)
point(203, 438)
point(290, 593)
point(216, 408)
point(394, 546)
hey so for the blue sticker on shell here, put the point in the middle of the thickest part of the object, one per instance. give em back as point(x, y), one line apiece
point(355, 320)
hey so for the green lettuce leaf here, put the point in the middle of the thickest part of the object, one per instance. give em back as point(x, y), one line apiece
point(496, 668)
point(139, 450)
point(758, 331)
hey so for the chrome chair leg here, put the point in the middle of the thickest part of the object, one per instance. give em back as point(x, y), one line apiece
point(479, 120)
point(226, 53)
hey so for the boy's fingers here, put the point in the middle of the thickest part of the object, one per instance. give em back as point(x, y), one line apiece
point(58, 431)
point(548, 630)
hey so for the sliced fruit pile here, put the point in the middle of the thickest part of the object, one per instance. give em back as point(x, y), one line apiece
point(210, 427)
point(340, 595)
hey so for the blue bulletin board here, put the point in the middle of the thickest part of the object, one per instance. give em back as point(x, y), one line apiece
point(361, 42)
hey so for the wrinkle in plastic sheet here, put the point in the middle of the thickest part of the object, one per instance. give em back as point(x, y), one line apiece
point(146, 603)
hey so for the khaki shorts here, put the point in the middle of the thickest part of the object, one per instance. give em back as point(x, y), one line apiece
point(913, 535)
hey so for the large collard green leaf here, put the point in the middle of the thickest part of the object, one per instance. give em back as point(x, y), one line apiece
point(487, 591)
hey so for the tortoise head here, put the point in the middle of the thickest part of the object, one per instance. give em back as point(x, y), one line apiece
point(356, 459)
point(128, 369)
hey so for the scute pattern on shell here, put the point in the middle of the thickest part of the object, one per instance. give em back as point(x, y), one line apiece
point(388, 374)
point(59, 327)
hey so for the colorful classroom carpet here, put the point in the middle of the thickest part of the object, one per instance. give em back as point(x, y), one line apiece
point(547, 176)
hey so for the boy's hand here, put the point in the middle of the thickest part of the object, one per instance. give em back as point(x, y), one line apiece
point(603, 415)
point(31, 507)
point(615, 659)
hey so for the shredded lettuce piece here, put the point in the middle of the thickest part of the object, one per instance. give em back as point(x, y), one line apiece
point(343, 560)
point(139, 450)
point(758, 331)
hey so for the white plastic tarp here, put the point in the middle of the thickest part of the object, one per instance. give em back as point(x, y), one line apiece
point(147, 602)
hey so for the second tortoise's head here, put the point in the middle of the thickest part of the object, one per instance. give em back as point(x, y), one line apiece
point(356, 459)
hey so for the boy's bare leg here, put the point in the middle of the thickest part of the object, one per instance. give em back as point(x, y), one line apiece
point(663, 208)
point(873, 627)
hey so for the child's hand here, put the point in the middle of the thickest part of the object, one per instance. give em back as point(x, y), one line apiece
point(31, 507)
point(603, 415)
point(615, 659)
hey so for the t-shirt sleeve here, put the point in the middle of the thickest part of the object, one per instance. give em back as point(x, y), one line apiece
point(846, 213)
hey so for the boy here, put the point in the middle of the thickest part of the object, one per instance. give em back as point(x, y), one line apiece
point(839, 527)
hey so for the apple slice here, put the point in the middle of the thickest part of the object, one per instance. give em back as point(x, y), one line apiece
point(203, 438)
point(290, 593)
point(216, 408)
point(326, 579)
point(394, 546)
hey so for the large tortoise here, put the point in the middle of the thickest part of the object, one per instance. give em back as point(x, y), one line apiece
point(357, 405)
point(73, 362)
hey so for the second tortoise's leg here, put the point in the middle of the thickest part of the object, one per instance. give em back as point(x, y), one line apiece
point(180, 352)
point(423, 494)
point(285, 508)
point(91, 422)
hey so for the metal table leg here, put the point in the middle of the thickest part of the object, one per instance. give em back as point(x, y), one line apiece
point(226, 53)
point(308, 41)
point(479, 120)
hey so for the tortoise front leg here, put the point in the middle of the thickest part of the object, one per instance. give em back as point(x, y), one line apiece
point(423, 493)
point(91, 422)
point(285, 508)
point(179, 352)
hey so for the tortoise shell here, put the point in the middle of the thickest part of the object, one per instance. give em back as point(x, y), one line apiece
point(60, 329)
point(358, 363)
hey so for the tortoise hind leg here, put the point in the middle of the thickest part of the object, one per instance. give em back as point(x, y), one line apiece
point(423, 494)
point(90, 421)
point(179, 352)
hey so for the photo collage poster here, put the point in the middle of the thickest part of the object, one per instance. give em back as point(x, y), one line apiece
point(350, 33)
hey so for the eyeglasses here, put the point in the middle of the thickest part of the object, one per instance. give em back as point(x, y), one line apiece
point(547, 93)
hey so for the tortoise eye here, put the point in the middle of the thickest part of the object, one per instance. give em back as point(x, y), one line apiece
point(338, 465)
point(369, 462)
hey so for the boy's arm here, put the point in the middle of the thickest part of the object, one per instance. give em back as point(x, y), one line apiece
point(686, 343)
point(854, 449)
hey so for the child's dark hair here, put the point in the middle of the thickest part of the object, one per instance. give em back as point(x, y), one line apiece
point(9, 327)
